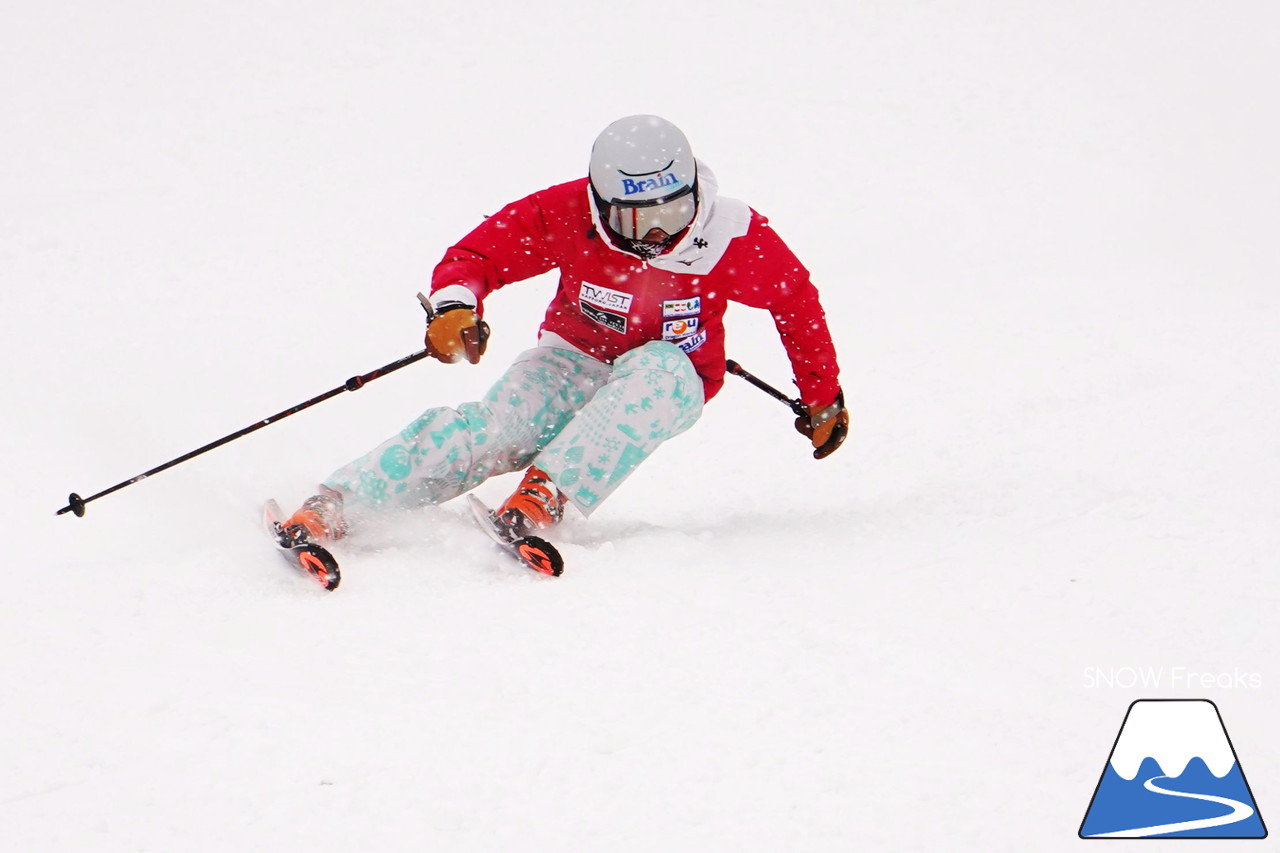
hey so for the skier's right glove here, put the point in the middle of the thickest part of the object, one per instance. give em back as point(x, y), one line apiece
point(826, 427)
point(455, 332)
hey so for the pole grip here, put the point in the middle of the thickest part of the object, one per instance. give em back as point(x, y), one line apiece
point(426, 306)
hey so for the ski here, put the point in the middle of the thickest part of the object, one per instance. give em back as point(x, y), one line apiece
point(533, 551)
point(312, 560)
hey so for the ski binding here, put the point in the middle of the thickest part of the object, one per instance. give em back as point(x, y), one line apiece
point(533, 551)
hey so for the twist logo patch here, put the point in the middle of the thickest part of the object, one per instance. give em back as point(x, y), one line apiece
point(1172, 773)
point(605, 306)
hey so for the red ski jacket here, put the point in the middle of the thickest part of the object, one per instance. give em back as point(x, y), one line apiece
point(610, 301)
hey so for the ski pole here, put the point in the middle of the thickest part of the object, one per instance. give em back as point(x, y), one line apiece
point(794, 404)
point(76, 504)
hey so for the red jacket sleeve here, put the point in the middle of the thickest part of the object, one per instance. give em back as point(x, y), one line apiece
point(780, 284)
point(508, 246)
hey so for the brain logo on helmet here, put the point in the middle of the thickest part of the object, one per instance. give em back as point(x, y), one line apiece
point(641, 158)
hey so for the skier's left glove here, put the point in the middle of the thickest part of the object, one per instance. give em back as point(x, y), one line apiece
point(826, 427)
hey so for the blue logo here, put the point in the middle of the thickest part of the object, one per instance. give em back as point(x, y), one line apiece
point(692, 342)
point(682, 307)
point(1173, 773)
point(644, 185)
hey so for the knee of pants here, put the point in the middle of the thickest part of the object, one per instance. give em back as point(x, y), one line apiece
point(665, 357)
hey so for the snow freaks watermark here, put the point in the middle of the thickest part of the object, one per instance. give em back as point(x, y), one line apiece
point(1169, 678)
point(1173, 772)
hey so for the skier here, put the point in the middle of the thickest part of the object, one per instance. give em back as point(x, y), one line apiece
point(631, 347)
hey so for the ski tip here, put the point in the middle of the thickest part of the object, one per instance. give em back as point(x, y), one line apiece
point(539, 555)
point(271, 512)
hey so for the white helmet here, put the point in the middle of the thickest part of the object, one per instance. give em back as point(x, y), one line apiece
point(643, 181)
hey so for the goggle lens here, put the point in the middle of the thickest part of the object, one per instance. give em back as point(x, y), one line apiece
point(636, 223)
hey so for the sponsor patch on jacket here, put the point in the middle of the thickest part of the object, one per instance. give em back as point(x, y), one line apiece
point(617, 322)
point(692, 342)
point(603, 297)
point(674, 330)
point(604, 306)
point(682, 307)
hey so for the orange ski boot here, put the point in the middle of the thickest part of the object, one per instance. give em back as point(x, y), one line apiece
point(319, 520)
point(535, 505)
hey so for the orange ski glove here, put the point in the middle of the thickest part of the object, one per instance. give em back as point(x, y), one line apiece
point(826, 427)
point(455, 332)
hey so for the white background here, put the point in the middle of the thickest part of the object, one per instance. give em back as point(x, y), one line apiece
point(1045, 235)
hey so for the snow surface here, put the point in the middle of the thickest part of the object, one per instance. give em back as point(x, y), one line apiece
point(1046, 238)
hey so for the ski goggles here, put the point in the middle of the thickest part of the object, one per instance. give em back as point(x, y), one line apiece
point(636, 221)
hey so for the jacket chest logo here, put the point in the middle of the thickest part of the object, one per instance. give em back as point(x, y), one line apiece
point(681, 323)
point(606, 307)
point(682, 307)
point(673, 330)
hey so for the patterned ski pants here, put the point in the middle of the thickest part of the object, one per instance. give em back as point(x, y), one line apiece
point(586, 423)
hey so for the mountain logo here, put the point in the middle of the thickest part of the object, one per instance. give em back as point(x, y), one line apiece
point(1173, 773)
